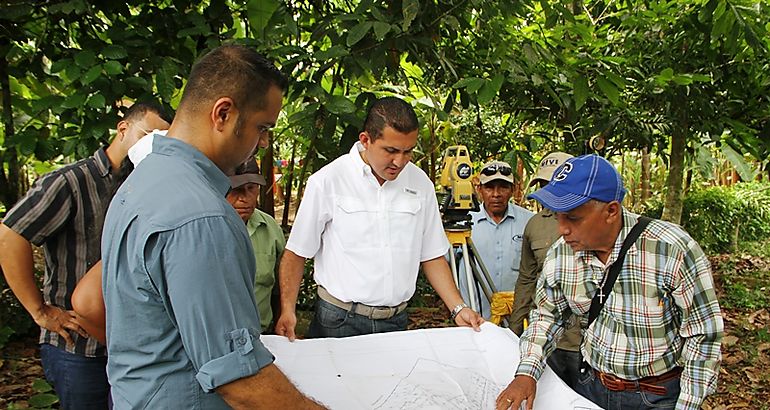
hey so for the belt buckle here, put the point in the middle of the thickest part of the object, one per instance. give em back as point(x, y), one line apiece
point(380, 313)
point(612, 382)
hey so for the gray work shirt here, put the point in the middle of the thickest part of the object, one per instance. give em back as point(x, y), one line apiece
point(178, 282)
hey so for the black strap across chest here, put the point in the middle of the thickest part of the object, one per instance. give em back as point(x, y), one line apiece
point(600, 298)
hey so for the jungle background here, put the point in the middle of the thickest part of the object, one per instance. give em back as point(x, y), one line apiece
point(676, 93)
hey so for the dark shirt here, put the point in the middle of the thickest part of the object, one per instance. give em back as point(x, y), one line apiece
point(64, 212)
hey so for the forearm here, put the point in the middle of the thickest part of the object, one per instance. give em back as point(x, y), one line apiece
point(290, 274)
point(17, 264)
point(88, 303)
point(440, 278)
point(268, 389)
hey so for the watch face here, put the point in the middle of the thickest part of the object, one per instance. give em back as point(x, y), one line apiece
point(464, 171)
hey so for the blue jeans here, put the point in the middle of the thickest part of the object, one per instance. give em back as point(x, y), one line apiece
point(333, 321)
point(591, 388)
point(566, 365)
point(79, 381)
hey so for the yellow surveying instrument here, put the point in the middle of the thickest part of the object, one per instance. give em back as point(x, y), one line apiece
point(457, 198)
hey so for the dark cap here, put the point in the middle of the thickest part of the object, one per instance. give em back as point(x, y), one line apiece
point(248, 172)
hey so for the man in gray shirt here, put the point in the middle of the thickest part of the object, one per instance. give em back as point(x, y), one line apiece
point(178, 278)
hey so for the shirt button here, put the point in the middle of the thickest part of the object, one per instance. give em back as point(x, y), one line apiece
point(242, 341)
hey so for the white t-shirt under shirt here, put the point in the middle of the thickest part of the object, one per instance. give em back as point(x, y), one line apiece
point(368, 239)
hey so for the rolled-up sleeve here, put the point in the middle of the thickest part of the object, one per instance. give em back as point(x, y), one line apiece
point(210, 297)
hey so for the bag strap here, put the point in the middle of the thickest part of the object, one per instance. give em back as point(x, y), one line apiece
point(600, 298)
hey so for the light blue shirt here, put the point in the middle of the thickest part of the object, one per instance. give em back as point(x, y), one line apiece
point(178, 282)
point(499, 247)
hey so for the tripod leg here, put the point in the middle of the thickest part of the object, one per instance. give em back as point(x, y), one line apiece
point(453, 266)
point(487, 278)
point(475, 305)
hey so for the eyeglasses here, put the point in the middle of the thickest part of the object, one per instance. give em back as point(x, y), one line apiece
point(493, 169)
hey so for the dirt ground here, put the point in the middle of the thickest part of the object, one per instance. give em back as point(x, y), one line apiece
point(744, 381)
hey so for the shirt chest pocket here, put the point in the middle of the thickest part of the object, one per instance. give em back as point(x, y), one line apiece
point(540, 249)
point(354, 224)
point(404, 222)
point(265, 275)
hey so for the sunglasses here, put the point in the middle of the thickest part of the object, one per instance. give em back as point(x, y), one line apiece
point(495, 168)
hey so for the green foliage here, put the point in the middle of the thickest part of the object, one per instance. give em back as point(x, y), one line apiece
point(719, 218)
point(14, 319)
point(307, 291)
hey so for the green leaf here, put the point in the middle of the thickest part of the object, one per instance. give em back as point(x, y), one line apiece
point(331, 53)
point(60, 65)
point(665, 76)
point(43, 400)
point(380, 29)
point(338, 104)
point(683, 79)
point(85, 59)
point(41, 386)
point(97, 101)
point(74, 100)
point(409, 8)
point(358, 32)
point(466, 81)
point(259, 13)
point(136, 82)
point(490, 89)
point(609, 89)
point(744, 169)
point(475, 85)
point(92, 74)
point(112, 67)
point(580, 91)
point(114, 52)
point(164, 79)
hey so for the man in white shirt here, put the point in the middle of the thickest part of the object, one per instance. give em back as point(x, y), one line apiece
point(370, 220)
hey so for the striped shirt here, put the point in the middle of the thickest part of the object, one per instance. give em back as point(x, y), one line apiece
point(662, 312)
point(64, 213)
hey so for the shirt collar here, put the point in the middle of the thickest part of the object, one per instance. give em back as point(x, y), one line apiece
point(102, 161)
point(359, 164)
point(174, 147)
point(256, 220)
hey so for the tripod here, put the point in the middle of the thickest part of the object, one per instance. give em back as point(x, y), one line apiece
point(476, 273)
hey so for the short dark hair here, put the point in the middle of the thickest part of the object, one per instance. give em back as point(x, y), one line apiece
point(140, 108)
point(392, 112)
point(235, 71)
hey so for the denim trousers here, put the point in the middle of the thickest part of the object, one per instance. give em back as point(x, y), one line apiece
point(566, 365)
point(590, 387)
point(333, 321)
point(79, 381)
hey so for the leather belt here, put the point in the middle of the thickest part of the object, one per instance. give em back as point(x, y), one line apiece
point(371, 312)
point(648, 384)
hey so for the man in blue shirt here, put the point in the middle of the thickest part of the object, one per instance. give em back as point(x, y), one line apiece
point(497, 231)
point(182, 322)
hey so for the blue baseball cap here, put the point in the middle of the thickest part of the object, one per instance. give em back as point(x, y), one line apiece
point(579, 180)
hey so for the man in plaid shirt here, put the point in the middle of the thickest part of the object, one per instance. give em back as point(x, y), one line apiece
point(656, 342)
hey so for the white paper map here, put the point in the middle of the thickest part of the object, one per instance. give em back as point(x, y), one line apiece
point(448, 368)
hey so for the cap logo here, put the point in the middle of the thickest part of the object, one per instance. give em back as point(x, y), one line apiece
point(563, 172)
point(549, 162)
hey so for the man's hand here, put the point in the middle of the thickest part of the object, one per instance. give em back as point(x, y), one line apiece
point(59, 321)
point(286, 324)
point(521, 389)
point(470, 318)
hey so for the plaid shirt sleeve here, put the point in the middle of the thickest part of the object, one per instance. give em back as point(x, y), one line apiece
point(546, 322)
point(701, 327)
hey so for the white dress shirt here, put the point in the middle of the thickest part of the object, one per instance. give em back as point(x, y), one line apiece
point(368, 239)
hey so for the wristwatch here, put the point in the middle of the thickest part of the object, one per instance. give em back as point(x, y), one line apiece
point(457, 310)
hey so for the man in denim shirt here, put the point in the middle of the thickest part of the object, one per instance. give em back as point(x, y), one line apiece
point(182, 323)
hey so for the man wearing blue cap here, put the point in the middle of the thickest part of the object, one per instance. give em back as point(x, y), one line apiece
point(654, 341)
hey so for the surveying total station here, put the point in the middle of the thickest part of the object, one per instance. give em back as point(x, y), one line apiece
point(457, 198)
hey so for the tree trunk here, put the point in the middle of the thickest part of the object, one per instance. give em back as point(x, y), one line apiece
point(288, 180)
point(9, 184)
point(646, 175)
point(672, 210)
point(266, 196)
